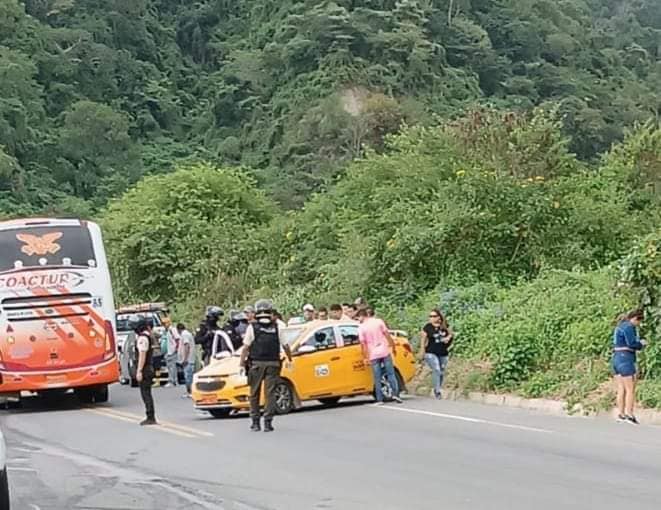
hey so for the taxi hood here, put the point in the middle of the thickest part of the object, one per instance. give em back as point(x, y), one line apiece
point(218, 367)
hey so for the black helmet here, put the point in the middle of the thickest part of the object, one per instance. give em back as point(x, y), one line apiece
point(263, 307)
point(215, 312)
point(138, 323)
point(239, 316)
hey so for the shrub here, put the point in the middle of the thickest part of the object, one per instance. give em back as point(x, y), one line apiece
point(173, 236)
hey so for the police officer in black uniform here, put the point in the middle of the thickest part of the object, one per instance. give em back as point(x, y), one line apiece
point(232, 328)
point(207, 331)
point(261, 359)
point(145, 369)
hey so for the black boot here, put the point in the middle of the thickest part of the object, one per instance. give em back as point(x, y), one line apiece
point(255, 427)
point(268, 425)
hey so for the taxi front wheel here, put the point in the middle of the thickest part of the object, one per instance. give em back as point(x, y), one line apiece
point(284, 397)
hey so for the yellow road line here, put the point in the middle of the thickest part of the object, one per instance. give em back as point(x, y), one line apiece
point(164, 424)
point(107, 414)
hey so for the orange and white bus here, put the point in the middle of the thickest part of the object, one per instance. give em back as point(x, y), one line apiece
point(57, 316)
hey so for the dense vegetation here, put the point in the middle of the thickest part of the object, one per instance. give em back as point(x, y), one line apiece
point(94, 94)
point(499, 158)
point(531, 252)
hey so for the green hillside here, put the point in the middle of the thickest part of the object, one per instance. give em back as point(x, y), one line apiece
point(501, 159)
point(97, 93)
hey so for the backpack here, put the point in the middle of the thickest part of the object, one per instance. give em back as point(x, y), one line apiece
point(163, 344)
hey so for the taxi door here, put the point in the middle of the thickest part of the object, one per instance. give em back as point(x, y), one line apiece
point(315, 365)
point(357, 374)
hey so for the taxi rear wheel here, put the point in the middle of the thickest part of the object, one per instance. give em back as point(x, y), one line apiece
point(284, 397)
point(385, 386)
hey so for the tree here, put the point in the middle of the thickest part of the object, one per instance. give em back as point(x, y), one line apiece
point(98, 150)
point(21, 107)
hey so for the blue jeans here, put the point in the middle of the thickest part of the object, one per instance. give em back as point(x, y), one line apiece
point(379, 367)
point(438, 365)
point(189, 368)
point(171, 363)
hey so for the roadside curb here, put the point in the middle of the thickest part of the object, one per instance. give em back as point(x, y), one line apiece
point(547, 406)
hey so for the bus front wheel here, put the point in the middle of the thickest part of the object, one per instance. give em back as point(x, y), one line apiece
point(101, 394)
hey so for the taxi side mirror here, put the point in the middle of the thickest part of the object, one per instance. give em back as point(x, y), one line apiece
point(305, 349)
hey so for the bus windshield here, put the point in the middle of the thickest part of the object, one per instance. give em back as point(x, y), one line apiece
point(46, 246)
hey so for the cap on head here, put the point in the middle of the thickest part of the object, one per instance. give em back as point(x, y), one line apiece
point(308, 308)
point(249, 309)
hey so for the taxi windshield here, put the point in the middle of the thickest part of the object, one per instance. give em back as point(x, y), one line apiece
point(290, 334)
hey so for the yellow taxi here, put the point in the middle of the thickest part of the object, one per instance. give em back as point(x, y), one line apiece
point(327, 365)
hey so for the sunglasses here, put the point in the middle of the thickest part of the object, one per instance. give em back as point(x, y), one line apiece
point(434, 316)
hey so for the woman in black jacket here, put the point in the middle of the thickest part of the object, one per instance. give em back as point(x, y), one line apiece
point(436, 337)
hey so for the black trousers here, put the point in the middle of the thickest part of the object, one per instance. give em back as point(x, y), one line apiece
point(267, 372)
point(145, 393)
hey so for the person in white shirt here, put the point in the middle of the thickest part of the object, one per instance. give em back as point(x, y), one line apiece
point(187, 356)
point(145, 370)
point(171, 354)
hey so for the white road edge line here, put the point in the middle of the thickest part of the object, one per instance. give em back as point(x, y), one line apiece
point(23, 469)
point(467, 419)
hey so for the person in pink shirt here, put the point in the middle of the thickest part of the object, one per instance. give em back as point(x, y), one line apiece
point(378, 347)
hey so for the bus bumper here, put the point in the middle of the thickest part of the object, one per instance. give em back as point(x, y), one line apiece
point(15, 382)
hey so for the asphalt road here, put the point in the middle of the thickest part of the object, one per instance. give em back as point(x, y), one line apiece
point(424, 454)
